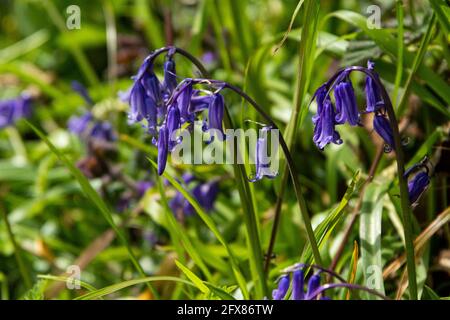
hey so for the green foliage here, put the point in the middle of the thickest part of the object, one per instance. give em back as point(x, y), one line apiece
point(60, 208)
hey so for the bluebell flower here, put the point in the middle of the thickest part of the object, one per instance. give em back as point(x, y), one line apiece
point(215, 113)
point(6, 113)
point(170, 76)
point(205, 193)
point(283, 285)
point(103, 131)
point(324, 130)
point(262, 161)
point(418, 180)
point(298, 290)
point(374, 102)
point(78, 125)
point(320, 95)
point(184, 99)
point(163, 148)
point(142, 186)
point(173, 124)
point(298, 285)
point(346, 107)
point(12, 110)
point(417, 185)
point(383, 128)
point(137, 102)
point(200, 103)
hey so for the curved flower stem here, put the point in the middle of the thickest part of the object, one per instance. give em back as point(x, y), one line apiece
point(250, 219)
point(345, 285)
point(290, 163)
point(404, 197)
point(182, 52)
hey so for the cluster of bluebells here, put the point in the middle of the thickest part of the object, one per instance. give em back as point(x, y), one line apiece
point(12, 110)
point(205, 193)
point(345, 108)
point(86, 126)
point(128, 196)
point(313, 287)
point(418, 177)
point(168, 105)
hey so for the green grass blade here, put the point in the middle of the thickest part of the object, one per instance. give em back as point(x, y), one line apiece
point(191, 276)
point(93, 196)
point(210, 223)
point(178, 235)
point(370, 236)
point(83, 284)
point(400, 49)
point(125, 284)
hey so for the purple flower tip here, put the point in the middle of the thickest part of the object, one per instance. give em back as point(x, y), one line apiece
point(383, 128)
point(163, 149)
point(283, 286)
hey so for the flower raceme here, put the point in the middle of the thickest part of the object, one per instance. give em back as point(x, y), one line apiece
point(204, 192)
point(314, 289)
point(298, 290)
point(170, 105)
point(167, 108)
point(345, 109)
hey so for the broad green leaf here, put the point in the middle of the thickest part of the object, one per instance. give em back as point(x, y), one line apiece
point(210, 223)
point(324, 229)
point(370, 236)
point(125, 284)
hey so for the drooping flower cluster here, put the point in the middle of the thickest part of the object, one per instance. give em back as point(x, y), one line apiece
point(418, 178)
point(345, 108)
point(167, 106)
point(314, 289)
point(98, 135)
point(14, 109)
point(204, 192)
point(298, 287)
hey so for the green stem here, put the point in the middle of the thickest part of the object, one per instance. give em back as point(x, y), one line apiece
point(290, 163)
point(416, 63)
point(404, 197)
point(400, 46)
point(250, 219)
point(306, 52)
point(17, 251)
